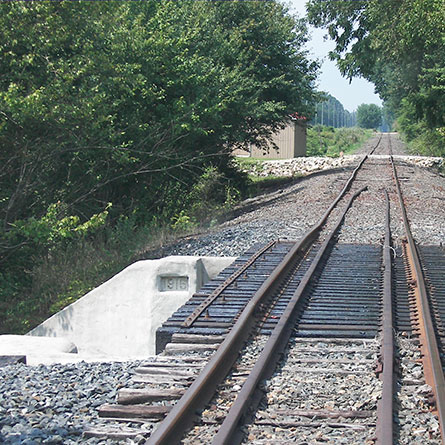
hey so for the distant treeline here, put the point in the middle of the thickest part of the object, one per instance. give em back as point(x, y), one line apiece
point(330, 112)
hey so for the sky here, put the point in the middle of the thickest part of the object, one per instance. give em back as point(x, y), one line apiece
point(351, 95)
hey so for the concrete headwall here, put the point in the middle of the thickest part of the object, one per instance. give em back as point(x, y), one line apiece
point(120, 317)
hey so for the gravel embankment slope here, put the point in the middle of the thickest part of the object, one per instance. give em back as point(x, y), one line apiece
point(289, 212)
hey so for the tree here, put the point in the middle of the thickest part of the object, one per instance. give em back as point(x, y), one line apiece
point(369, 116)
point(122, 102)
point(397, 45)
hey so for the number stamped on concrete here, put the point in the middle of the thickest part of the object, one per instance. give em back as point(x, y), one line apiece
point(173, 283)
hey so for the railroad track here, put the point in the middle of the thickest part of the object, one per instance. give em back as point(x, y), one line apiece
point(297, 341)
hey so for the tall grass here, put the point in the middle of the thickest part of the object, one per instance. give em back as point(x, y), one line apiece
point(329, 141)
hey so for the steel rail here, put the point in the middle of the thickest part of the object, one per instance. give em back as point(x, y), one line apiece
point(202, 389)
point(276, 343)
point(345, 188)
point(212, 297)
point(432, 365)
point(378, 143)
point(385, 409)
point(220, 289)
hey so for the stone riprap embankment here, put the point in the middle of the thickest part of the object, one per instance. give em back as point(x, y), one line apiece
point(305, 166)
point(297, 166)
point(419, 161)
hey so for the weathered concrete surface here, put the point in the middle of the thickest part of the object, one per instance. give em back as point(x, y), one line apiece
point(120, 317)
point(35, 347)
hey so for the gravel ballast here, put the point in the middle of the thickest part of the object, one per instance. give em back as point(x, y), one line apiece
point(54, 404)
point(288, 213)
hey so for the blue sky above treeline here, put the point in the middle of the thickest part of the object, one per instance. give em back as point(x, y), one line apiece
point(351, 95)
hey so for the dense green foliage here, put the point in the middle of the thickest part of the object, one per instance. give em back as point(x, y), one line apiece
point(369, 116)
point(329, 141)
point(118, 116)
point(400, 47)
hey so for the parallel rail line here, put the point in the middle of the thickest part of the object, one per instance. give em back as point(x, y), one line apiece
point(432, 365)
point(293, 293)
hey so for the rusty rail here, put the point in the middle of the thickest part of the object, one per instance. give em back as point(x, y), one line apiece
point(214, 295)
point(432, 365)
point(200, 392)
point(220, 289)
point(385, 423)
point(203, 388)
point(376, 145)
point(275, 345)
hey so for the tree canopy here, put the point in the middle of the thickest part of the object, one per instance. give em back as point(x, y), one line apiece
point(121, 102)
point(400, 47)
point(369, 116)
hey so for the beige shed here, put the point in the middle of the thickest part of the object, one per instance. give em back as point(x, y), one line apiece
point(291, 143)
